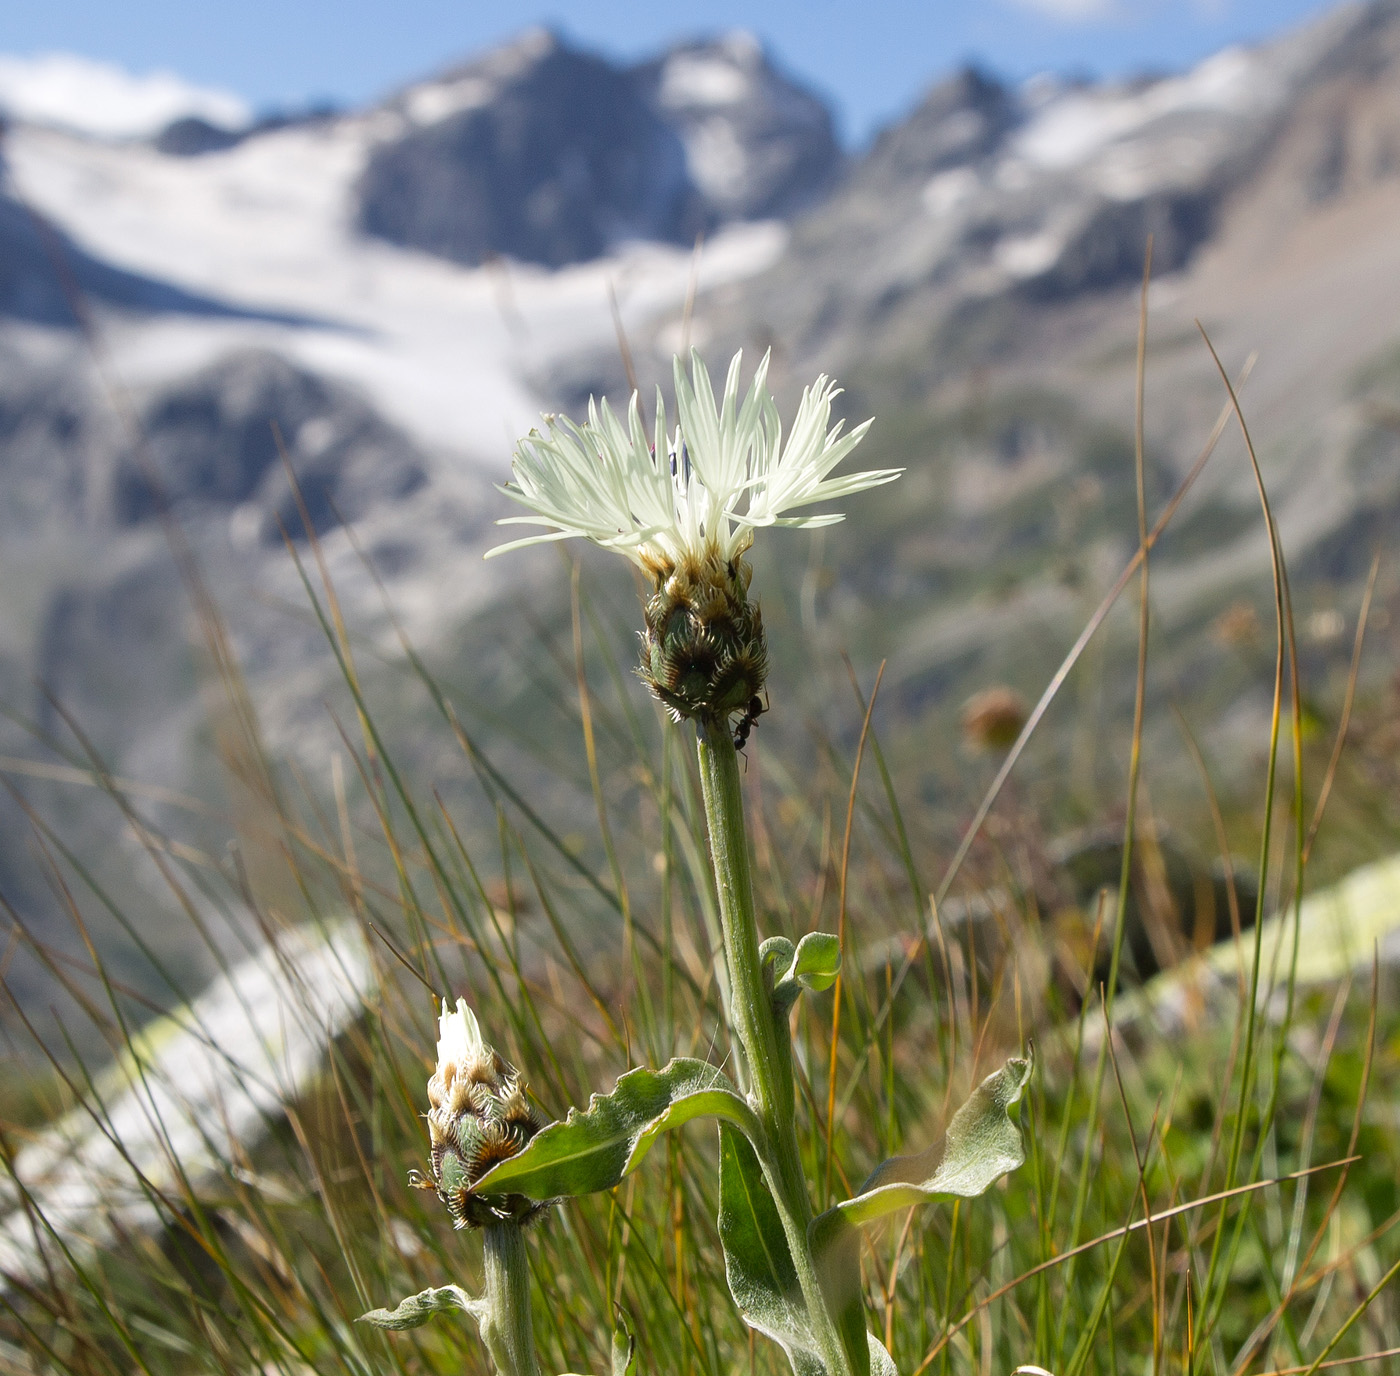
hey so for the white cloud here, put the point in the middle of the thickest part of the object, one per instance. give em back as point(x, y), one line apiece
point(101, 98)
point(1071, 11)
point(1096, 11)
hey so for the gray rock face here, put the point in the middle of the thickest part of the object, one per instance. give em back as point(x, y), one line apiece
point(191, 137)
point(757, 144)
point(211, 441)
point(973, 283)
point(550, 155)
point(98, 628)
point(51, 444)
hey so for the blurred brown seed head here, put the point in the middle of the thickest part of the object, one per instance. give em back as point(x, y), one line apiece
point(993, 718)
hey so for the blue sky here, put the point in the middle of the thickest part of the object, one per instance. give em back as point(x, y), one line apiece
point(871, 57)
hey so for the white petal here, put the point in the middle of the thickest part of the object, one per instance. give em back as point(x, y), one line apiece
point(459, 1037)
point(722, 471)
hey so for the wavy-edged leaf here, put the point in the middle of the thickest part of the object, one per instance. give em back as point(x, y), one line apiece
point(594, 1148)
point(981, 1145)
point(418, 1309)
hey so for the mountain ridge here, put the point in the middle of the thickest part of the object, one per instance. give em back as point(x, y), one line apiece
point(551, 154)
point(971, 279)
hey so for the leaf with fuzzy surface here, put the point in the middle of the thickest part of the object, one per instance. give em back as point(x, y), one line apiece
point(757, 1260)
point(418, 1309)
point(817, 961)
point(593, 1149)
point(762, 1278)
point(981, 1145)
point(624, 1349)
point(881, 1363)
point(812, 964)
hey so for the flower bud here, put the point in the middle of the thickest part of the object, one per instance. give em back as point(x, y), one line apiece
point(478, 1115)
point(703, 651)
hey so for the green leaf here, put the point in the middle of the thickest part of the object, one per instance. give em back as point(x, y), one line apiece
point(757, 1260)
point(595, 1148)
point(624, 1348)
point(812, 964)
point(981, 1145)
point(835, 1245)
point(817, 961)
point(763, 1280)
point(881, 1363)
point(418, 1309)
point(777, 951)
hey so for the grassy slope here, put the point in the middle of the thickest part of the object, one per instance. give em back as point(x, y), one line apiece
point(269, 1268)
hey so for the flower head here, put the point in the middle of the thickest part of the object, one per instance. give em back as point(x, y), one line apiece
point(478, 1115)
point(697, 490)
point(683, 504)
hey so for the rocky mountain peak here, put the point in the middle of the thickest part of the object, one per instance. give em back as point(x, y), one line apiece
point(757, 143)
point(480, 79)
point(961, 119)
point(551, 154)
point(538, 151)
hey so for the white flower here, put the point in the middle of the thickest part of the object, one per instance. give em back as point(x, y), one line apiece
point(699, 489)
point(460, 1042)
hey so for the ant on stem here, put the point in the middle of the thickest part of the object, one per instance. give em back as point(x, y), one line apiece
point(755, 709)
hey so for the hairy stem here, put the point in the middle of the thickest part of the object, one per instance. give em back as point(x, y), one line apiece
point(507, 1328)
point(765, 1044)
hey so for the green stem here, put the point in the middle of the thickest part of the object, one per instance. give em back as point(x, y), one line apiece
point(507, 1327)
point(767, 1050)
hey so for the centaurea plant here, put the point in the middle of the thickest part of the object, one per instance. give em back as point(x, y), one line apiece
point(683, 504)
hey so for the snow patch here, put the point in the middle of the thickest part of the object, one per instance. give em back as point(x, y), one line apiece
point(716, 158)
point(78, 93)
point(429, 104)
point(441, 350)
point(946, 191)
point(1029, 255)
point(702, 79)
point(1075, 127)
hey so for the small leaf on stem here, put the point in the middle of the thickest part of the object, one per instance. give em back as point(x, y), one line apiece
point(812, 964)
point(418, 1309)
point(817, 961)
